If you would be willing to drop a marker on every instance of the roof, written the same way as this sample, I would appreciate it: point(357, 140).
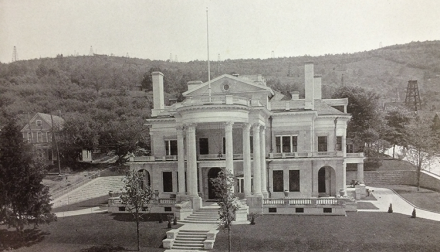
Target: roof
point(324, 109)
point(57, 121)
point(243, 80)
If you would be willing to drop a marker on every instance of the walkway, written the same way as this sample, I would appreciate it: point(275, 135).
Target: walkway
point(385, 197)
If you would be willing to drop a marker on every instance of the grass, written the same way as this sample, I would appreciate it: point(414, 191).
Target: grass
point(356, 232)
point(424, 199)
point(84, 231)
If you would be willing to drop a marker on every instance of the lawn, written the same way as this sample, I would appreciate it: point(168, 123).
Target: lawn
point(75, 233)
point(424, 199)
point(356, 232)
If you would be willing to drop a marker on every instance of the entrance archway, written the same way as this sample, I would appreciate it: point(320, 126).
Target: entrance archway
point(326, 181)
point(146, 181)
point(212, 173)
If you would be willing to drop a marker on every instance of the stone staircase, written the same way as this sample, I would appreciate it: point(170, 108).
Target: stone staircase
point(190, 240)
point(95, 188)
point(205, 215)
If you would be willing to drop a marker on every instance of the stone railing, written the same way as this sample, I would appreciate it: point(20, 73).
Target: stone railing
point(355, 155)
point(303, 201)
point(214, 100)
point(166, 201)
point(153, 158)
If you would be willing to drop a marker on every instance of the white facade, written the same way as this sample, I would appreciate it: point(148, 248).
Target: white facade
point(294, 148)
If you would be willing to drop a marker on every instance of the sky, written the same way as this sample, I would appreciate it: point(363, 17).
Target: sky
point(239, 29)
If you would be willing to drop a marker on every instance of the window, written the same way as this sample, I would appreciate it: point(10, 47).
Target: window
point(251, 141)
point(294, 181)
point(224, 146)
point(171, 147)
point(285, 144)
point(38, 123)
point(338, 143)
point(240, 185)
point(167, 181)
point(350, 148)
point(203, 146)
point(322, 143)
point(278, 181)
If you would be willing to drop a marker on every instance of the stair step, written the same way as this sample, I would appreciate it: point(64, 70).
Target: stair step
point(188, 240)
point(188, 246)
point(191, 235)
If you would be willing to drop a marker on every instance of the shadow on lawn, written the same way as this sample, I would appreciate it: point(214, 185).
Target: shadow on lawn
point(11, 239)
point(144, 217)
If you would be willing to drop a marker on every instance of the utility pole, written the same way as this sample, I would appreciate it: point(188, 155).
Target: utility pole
point(56, 144)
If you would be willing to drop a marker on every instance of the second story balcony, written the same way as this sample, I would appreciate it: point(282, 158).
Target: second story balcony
point(221, 156)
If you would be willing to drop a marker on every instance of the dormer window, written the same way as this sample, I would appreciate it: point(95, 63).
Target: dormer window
point(38, 123)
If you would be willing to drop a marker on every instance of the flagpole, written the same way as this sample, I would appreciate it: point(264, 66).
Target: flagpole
point(209, 66)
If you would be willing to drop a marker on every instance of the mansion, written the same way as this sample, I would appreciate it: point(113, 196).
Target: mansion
point(277, 149)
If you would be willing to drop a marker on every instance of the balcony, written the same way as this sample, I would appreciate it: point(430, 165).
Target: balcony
point(288, 155)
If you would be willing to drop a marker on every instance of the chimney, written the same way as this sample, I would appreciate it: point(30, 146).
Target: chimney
point(309, 85)
point(317, 87)
point(158, 95)
point(194, 84)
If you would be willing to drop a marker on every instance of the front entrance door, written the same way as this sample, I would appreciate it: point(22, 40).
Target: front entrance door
point(213, 173)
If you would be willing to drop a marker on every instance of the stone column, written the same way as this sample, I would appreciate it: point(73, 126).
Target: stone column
point(192, 160)
point(181, 160)
point(247, 160)
point(360, 173)
point(191, 167)
point(229, 147)
point(257, 159)
point(263, 162)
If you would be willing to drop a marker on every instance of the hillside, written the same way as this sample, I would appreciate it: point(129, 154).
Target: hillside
point(102, 87)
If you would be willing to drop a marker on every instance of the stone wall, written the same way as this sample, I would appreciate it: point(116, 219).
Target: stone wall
point(377, 178)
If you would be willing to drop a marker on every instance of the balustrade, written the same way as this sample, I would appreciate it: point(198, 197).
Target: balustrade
point(301, 201)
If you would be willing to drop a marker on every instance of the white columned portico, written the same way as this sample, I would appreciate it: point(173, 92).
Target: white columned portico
point(181, 160)
point(191, 159)
point(191, 154)
point(257, 159)
point(247, 160)
point(229, 147)
point(263, 162)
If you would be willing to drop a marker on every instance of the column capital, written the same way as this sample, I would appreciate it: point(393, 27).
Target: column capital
point(246, 126)
point(256, 126)
point(228, 123)
point(180, 127)
point(263, 128)
point(190, 126)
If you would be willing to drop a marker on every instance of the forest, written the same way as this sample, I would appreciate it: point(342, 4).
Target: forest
point(99, 95)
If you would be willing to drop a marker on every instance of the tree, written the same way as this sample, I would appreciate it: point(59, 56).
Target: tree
point(396, 121)
point(136, 197)
point(362, 105)
point(24, 199)
point(421, 145)
point(228, 202)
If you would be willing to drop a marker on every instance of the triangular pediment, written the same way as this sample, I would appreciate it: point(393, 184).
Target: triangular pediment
point(228, 84)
